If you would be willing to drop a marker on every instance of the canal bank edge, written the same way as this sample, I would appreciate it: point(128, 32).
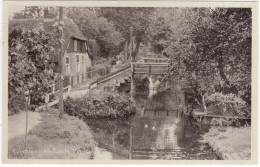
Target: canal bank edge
point(238, 149)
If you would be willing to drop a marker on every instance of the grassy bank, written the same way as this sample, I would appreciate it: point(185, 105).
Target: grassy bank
point(230, 143)
point(54, 138)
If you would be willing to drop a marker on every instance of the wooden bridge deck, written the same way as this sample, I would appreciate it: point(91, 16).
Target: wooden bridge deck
point(151, 66)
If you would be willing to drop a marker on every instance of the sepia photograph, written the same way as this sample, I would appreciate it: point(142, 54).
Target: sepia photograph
point(104, 83)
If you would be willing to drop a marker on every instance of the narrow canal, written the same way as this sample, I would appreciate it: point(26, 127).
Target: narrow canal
point(157, 131)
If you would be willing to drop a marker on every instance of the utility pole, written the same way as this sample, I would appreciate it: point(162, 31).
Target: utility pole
point(126, 52)
point(61, 67)
point(132, 65)
point(131, 44)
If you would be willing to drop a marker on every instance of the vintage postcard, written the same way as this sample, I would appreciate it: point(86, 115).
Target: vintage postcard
point(132, 82)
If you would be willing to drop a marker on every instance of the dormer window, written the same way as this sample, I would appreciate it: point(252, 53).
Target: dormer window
point(75, 45)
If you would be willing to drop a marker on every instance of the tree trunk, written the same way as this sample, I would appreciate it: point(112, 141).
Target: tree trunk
point(204, 104)
point(221, 69)
point(61, 70)
point(135, 52)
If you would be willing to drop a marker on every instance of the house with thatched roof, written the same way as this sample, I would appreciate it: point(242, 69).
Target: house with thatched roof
point(76, 59)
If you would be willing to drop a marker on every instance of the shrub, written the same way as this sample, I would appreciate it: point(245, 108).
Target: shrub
point(16, 103)
point(100, 105)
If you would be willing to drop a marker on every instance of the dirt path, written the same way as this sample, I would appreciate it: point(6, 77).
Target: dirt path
point(17, 123)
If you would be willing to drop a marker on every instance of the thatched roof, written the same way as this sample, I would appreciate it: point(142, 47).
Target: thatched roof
point(71, 30)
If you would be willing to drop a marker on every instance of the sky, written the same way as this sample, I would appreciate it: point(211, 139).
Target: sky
point(15, 9)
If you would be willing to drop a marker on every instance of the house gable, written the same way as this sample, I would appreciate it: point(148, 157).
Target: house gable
point(76, 45)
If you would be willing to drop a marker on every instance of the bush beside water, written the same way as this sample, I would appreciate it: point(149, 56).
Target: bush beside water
point(99, 105)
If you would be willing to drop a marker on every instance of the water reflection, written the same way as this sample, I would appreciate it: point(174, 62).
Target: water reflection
point(153, 86)
point(157, 131)
point(155, 135)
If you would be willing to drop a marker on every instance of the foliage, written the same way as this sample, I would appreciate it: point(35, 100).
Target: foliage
point(36, 12)
point(17, 104)
point(97, 28)
point(28, 61)
point(66, 82)
point(104, 105)
point(123, 18)
point(209, 55)
point(94, 50)
point(210, 49)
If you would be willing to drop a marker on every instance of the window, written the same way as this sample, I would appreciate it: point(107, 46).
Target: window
point(83, 68)
point(77, 58)
point(86, 45)
point(83, 65)
point(75, 45)
point(67, 65)
point(78, 65)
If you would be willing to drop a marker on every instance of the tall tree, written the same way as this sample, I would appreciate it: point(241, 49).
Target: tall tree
point(225, 43)
point(124, 18)
point(97, 28)
point(29, 64)
point(210, 50)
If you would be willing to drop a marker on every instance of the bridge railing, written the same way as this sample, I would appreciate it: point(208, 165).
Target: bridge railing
point(150, 68)
point(84, 77)
point(154, 60)
point(101, 79)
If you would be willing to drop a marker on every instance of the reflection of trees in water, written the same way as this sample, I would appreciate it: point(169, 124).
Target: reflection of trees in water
point(166, 137)
point(145, 132)
point(171, 133)
point(162, 100)
point(111, 134)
